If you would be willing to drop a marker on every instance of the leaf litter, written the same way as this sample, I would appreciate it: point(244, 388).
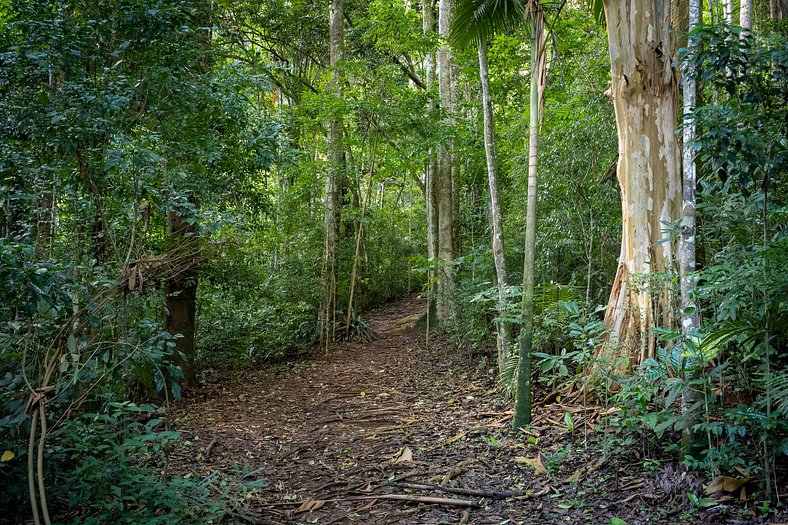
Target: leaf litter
point(393, 432)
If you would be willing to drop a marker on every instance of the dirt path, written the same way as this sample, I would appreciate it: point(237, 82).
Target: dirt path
point(344, 426)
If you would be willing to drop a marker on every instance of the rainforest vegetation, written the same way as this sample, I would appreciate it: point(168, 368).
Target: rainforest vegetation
point(382, 261)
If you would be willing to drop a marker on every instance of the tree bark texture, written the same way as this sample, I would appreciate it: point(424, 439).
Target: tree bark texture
point(491, 151)
point(727, 11)
point(444, 186)
point(644, 89)
point(745, 14)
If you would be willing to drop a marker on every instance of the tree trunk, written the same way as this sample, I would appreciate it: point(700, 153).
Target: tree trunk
point(491, 151)
point(690, 322)
point(444, 176)
point(745, 14)
point(430, 171)
point(644, 97)
point(778, 9)
point(181, 302)
point(522, 403)
point(727, 11)
point(331, 217)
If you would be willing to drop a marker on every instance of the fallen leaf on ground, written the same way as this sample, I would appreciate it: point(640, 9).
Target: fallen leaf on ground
point(310, 505)
point(723, 486)
point(537, 463)
point(405, 455)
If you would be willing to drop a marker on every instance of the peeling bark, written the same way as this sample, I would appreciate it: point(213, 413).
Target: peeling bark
point(644, 89)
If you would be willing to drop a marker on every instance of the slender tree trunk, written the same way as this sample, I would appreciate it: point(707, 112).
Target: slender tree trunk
point(181, 301)
point(778, 9)
point(522, 404)
point(745, 14)
point(644, 97)
point(690, 322)
point(430, 172)
point(444, 176)
point(331, 217)
point(727, 11)
point(491, 151)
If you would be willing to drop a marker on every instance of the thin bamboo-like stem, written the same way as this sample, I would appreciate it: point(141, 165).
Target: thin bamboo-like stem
point(31, 471)
point(359, 235)
point(42, 493)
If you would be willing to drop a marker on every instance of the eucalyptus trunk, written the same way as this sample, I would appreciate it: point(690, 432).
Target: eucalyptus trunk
point(641, 42)
point(444, 186)
point(491, 151)
point(331, 217)
point(522, 404)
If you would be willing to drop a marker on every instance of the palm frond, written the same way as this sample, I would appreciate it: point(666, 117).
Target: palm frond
point(598, 10)
point(477, 21)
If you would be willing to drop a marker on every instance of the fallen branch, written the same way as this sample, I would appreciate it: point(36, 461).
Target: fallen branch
point(426, 499)
point(394, 497)
point(492, 494)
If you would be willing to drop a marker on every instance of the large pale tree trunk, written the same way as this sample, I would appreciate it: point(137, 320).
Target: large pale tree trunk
point(644, 97)
point(491, 151)
point(331, 217)
point(446, 192)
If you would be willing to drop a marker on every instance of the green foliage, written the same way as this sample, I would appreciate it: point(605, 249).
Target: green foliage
point(111, 468)
point(479, 20)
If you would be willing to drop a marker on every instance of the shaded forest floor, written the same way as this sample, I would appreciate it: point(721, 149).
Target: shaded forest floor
point(337, 436)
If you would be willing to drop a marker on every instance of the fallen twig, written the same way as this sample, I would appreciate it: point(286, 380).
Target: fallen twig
point(395, 497)
point(209, 448)
point(426, 499)
point(492, 494)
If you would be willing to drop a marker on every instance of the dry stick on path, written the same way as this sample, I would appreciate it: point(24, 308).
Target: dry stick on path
point(492, 494)
point(394, 497)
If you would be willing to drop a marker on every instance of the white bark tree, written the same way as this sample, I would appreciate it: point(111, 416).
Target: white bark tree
point(745, 14)
point(491, 152)
point(641, 46)
point(690, 321)
point(727, 11)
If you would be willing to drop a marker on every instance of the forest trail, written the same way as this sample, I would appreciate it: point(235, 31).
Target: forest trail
point(332, 433)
